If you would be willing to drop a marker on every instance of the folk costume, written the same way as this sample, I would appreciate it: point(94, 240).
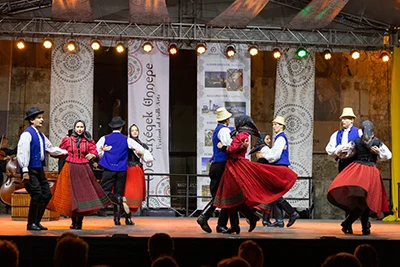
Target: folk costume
point(359, 188)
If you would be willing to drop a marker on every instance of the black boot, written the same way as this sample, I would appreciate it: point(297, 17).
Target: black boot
point(41, 210)
point(117, 214)
point(202, 220)
point(278, 217)
point(249, 214)
point(365, 223)
point(234, 220)
point(266, 221)
point(350, 219)
point(128, 219)
point(73, 225)
point(32, 215)
point(293, 215)
point(222, 221)
point(79, 222)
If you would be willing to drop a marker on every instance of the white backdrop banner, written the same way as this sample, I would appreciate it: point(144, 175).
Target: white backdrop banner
point(148, 108)
point(221, 82)
point(71, 91)
point(294, 100)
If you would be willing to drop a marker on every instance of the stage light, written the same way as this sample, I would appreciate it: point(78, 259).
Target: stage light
point(120, 47)
point(276, 53)
point(385, 56)
point(355, 54)
point(327, 54)
point(47, 43)
point(201, 48)
point(71, 46)
point(173, 49)
point(20, 44)
point(147, 47)
point(230, 51)
point(95, 45)
point(253, 50)
point(301, 52)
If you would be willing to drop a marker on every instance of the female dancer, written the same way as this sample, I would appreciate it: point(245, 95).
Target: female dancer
point(77, 192)
point(359, 189)
point(135, 185)
point(248, 184)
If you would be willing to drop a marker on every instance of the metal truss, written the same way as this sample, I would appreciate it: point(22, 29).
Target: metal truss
point(188, 33)
point(19, 6)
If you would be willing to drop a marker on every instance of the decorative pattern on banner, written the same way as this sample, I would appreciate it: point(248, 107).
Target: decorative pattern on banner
point(316, 15)
point(71, 95)
point(148, 108)
point(221, 82)
point(239, 13)
point(294, 100)
point(148, 12)
point(76, 10)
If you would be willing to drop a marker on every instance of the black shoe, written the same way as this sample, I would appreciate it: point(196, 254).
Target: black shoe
point(292, 219)
point(128, 221)
point(221, 229)
point(279, 224)
point(266, 223)
point(347, 229)
point(253, 223)
point(203, 222)
point(232, 229)
point(42, 227)
point(72, 226)
point(33, 227)
point(367, 230)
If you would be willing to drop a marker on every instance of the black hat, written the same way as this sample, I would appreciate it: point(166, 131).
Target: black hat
point(33, 111)
point(116, 122)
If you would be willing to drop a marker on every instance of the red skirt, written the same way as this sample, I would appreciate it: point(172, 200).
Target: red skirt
point(252, 183)
point(135, 187)
point(77, 192)
point(358, 186)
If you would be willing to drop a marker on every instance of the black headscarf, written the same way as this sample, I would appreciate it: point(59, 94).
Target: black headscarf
point(85, 134)
point(368, 133)
point(260, 143)
point(137, 137)
point(246, 124)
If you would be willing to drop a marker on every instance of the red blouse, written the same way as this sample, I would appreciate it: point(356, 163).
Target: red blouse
point(237, 150)
point(74, 155)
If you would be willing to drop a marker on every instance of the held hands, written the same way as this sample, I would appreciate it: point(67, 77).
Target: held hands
point(90, 156)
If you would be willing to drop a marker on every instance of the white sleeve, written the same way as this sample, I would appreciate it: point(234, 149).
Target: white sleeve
point(331, 147)
point(147, 157)
point(24, 150)
point(274, 154)
point(99, 146)
point(224, 135)
point(384, 152)
point(53, 150)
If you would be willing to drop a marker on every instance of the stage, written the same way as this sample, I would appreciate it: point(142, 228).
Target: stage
point(307, 242)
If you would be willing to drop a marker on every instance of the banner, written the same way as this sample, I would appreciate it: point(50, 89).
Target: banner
point(221, 82)
point(294, 100)
point(148, 108)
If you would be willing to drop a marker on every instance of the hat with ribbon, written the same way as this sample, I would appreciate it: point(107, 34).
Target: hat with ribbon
point(223, 114)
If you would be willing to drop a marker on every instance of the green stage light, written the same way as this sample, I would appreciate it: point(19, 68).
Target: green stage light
point(301, 52)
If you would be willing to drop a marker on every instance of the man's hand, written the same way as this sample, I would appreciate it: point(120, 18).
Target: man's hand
point(107, 148)
point(219, 145)
point(25, 177)
point(139, 153)
point(90, 156)
point(375, 150)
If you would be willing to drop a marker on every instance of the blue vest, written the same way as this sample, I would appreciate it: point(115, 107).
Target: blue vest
point(117, 158)
point(218, 154)
point(284, 159)
point(34, 159)
point(353, 135)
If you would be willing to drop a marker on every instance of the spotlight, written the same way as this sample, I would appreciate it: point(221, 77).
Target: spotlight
point(253, 50)
point(71, 46)
point(385, 56)
point(201, 48)
point(95, 45)
point(355, 54)
point(327, 54)
point(276, 53)
point(301, 52)
point(120, 47)
point(21, 44)
point(173, 49)
point(147, 47)
point(230, 51)
point(47, 43)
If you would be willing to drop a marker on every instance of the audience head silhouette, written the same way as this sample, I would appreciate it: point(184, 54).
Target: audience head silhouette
point(367, 255)
point(342, 259)
point(233, 262)
point(164, 261)
point(160, 244)
point(71, 250)
point(252, 253)
point(9, 253)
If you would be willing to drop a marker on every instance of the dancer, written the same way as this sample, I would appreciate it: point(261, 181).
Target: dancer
point(76, 192)
point(359, 188)
point(113, 153)
point(135, 185)
point(247, 184)
point(279, 155)
point(32, 146)
point(221, 134)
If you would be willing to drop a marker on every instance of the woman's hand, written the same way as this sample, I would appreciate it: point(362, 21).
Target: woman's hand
point(219, 145)
point(375, 150)
point(90, 156)
point(259, 155)
point(106, 148)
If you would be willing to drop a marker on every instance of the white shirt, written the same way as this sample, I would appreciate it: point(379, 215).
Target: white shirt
point(334, 150)
point(24, 149)
point(274, 154)
point(384, 152)
point(224, 136)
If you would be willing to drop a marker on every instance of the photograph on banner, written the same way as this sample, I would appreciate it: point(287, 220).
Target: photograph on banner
point(215, 79)
point(234, 80)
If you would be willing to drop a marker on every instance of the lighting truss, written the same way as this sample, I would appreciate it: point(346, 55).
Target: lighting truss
point(18, 6)
point(188, 32)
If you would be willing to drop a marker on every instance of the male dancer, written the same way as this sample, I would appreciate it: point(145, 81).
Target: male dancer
point(279, 155)
point(31, 150)
point(221, 134)
point(113, 152)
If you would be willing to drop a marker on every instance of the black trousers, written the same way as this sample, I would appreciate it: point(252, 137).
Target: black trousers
point(216, 172)
point(113, 180)
point(38, 186)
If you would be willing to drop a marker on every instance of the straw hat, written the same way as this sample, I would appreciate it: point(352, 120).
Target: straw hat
point(222, 114)
point(280, 120)
point(347, 112)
